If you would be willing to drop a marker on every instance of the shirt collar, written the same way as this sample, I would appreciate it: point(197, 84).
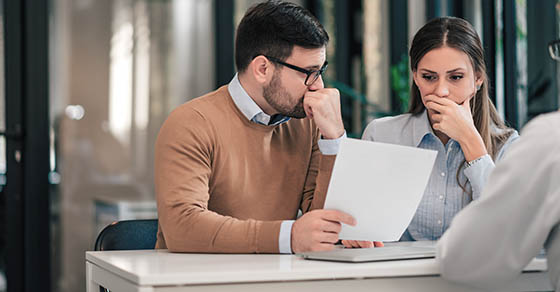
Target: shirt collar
point(421, 127)
point(248, 106)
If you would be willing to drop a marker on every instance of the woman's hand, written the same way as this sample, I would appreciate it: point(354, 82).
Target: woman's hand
point(456, 121)
point(361, 244)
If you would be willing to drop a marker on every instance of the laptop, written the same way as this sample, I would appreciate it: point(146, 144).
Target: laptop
point(387, 253)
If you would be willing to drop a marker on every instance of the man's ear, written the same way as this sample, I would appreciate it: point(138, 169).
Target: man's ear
point(262, 69)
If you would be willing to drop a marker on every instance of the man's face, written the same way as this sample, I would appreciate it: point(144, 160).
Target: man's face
point(286, 90)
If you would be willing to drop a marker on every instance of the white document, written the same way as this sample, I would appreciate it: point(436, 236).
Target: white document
point(380, 185)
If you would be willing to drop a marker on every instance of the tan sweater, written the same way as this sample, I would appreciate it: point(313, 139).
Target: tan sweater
point(224, 184)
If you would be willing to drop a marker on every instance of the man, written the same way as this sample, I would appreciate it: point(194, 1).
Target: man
point(490, 242)
point(233, 167)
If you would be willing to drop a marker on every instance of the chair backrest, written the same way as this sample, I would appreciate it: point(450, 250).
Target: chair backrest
point(128, 235)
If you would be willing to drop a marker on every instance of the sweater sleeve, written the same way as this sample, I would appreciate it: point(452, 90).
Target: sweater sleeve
point(183, 163)
point(318, 177)
point(494, 238)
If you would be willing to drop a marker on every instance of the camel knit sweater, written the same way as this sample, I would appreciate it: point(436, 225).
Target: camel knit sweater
point(225, 184)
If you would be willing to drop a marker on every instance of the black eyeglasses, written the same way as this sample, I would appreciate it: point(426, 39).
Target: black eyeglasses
point(312, 75)
point(554, 49)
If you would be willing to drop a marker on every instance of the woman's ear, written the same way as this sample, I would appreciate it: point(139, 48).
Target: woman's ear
point(261, 69)
point(414, 77)
point(479, 81)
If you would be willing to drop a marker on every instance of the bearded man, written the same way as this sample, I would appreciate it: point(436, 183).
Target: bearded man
point(233, 167)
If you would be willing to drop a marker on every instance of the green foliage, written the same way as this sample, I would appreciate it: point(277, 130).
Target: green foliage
point(399, 82)
point(346, 90)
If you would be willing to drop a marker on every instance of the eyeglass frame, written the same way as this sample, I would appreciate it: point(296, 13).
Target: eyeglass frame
point(317, 73)
point(551, 50)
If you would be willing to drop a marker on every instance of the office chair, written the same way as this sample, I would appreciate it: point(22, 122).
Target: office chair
point(127, 235)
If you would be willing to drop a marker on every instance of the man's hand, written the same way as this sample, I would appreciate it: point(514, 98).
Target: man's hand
point(361, 243)
point(318, 230)
point(323, 106)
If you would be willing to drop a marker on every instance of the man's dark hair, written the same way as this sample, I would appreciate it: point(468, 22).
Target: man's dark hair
point(272, 28)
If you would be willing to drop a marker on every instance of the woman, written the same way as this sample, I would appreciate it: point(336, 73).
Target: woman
point(450, 112)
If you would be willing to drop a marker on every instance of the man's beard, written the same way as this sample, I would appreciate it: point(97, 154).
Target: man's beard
point(275, 93)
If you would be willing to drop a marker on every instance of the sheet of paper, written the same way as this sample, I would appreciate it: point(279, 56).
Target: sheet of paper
point(380, 185)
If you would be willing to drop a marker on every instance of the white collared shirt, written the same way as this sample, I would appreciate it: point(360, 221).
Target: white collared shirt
point(443, 197)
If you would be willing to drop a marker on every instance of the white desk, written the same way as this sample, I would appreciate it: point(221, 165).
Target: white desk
point(159, 270)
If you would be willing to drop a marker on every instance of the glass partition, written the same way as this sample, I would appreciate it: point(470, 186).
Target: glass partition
point(117, 68)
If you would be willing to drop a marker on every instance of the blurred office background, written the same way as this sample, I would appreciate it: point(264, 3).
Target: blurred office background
point(86, 84)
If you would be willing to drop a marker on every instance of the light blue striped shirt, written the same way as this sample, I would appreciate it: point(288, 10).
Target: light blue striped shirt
point(443, 196)
point(254, 113)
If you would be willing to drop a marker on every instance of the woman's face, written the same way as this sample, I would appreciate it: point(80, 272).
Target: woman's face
point(446, 73)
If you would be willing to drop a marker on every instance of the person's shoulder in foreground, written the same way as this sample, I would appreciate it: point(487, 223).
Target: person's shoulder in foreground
point(493, 239)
